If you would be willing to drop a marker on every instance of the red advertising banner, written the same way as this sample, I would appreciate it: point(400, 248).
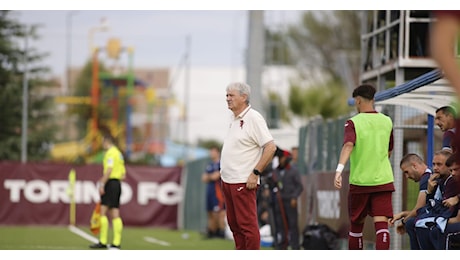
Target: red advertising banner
point(40, 194)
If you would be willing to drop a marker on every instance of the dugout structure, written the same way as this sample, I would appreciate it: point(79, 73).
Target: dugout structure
point(395, 59)
point(412, 107)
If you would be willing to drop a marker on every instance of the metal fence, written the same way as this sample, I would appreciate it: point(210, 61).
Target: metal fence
point(192, 212)
point(320, 143)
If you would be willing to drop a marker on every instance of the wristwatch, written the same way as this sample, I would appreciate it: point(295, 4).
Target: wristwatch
point(256, 172)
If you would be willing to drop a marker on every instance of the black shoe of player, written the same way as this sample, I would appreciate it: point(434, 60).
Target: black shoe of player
point(114, 247)
point(98, 245)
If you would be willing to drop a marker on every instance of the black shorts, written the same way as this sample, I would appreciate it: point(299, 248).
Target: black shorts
point(111, 197)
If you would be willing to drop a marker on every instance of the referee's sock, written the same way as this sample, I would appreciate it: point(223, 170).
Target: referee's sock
point(117, 224)
point(104, 230)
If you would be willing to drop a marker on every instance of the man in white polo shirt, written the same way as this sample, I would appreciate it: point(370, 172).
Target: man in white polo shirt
point(248, 149)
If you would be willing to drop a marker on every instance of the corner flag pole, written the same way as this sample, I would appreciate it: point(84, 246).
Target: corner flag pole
point(71, 193)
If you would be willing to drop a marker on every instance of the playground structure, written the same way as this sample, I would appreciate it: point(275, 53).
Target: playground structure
point(89, 148)
point(75, 151)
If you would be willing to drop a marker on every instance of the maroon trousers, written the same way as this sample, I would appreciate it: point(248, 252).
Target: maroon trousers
point(241, 206)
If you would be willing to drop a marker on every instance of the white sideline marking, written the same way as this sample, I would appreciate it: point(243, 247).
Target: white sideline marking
point(156, 241)
point(83, 234)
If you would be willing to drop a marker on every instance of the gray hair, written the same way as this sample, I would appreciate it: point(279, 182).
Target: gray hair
point(242, 88)
point(444, 152)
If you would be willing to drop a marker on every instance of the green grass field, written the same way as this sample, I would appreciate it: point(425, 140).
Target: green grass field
point(79, 238)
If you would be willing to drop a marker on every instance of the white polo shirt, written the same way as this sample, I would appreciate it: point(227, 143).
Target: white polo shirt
point(242, 148)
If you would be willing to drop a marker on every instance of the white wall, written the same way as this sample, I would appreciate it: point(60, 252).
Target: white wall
point(207, 110)
point(208, 115)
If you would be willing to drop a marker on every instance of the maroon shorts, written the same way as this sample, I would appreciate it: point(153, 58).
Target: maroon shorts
point(361, 205)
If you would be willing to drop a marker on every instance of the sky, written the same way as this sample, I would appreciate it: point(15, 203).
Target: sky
point(158, 34)
point(218, 40)
point(158, 38)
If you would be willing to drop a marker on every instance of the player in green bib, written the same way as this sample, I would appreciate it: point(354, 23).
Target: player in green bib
point(368, 142)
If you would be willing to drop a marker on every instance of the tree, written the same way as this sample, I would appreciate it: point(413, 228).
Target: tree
point(208, 143)
point(14, 56)
point(325, 48)
point(323, 100)
point(278, 111)
point(329, 40)
point(276, 48)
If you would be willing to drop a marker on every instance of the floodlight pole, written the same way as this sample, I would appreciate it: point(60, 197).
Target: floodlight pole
point(187, 98)
point(25, 101)
point(69, 51)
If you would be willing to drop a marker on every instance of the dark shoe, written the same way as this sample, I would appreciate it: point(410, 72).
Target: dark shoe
point(208, 235)
point(220, 234)
point(114, 247)
point(211, 234)
point(98, 245)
